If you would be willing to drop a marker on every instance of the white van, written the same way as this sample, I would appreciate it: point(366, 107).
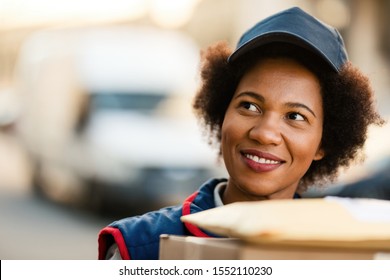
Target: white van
point(107, 119)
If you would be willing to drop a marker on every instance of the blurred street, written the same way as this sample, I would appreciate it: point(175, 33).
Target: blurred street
point(34, 228)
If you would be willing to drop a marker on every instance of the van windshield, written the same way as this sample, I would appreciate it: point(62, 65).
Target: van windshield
point(127, 101)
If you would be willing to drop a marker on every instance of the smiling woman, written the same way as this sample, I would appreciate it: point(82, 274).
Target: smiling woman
point(344, 110)
point(286, 109)
point(271, 131)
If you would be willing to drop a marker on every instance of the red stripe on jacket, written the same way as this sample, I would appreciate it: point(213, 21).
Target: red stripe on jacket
point(186, 210)
point(118, 238)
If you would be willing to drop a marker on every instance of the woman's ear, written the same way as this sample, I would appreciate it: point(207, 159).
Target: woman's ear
point(319, 154)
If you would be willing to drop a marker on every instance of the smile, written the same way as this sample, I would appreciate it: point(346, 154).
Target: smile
point(261, 160)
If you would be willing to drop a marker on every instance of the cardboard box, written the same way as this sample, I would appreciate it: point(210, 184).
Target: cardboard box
point(352, 224)
point(296, 229)
point(173, 247)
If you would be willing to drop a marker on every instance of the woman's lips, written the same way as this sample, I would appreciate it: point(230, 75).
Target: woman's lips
point(260, 161)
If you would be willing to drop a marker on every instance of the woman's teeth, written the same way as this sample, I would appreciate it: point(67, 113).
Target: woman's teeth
point(261, 160)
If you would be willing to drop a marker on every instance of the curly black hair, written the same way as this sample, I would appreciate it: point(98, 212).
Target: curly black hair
point(348, 103)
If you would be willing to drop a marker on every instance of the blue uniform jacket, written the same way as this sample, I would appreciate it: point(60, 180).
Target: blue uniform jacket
point(138, 237)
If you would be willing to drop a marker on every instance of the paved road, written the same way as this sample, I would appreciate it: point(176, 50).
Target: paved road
point(31, 228)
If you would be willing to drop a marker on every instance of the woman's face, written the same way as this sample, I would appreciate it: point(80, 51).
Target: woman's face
point(272, 131)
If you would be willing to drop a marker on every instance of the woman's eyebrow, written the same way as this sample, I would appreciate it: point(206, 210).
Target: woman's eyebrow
point(254, 95)
point(300, 105)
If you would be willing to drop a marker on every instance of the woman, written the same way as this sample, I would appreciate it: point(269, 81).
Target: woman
point(286, 109)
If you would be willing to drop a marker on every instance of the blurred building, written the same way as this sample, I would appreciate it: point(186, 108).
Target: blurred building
point(363, 23)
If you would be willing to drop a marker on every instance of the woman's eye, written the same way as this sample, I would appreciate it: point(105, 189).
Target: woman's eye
point(249, 106)
point(296, 117)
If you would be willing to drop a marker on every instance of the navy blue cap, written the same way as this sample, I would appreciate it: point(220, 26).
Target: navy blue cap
point(299, 28)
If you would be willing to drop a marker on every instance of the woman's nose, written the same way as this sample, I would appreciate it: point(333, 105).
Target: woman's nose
point(266, 130)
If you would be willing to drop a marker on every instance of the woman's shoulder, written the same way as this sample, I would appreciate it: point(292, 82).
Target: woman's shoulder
point(137, 237)
point(142, 232)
